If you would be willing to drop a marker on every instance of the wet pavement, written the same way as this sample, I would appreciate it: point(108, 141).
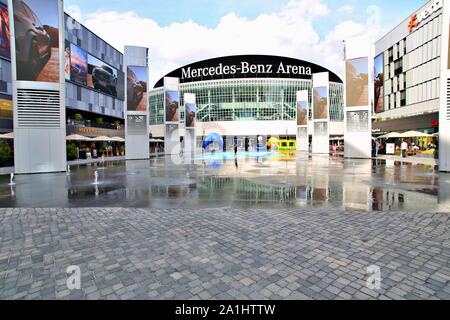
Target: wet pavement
point(251, 180)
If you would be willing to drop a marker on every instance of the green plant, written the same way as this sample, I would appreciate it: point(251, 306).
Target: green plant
point(116, 123)
point(71, 151)
point(99, 120)
point(6, 155)
point(78, 117)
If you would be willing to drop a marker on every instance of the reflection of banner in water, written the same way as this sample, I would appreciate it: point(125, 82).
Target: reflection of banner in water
point(264, 192)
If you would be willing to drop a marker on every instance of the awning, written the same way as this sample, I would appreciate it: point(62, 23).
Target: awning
point(156, 140)
point(337, 139)
point(77, 137)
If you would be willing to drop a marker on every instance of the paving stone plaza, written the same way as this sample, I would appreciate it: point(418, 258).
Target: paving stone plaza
point(223, 254)
point(295, 229)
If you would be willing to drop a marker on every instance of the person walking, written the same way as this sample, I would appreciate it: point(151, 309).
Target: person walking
point(404, 148)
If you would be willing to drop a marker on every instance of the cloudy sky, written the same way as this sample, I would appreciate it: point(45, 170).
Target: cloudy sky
point(179, 32)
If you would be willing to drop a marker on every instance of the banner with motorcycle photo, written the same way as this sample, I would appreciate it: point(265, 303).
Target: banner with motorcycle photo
point(137, 80)
point(36, 27)
point(86, 70)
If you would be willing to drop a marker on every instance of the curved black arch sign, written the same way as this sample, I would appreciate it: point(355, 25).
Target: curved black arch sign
point(247, 66)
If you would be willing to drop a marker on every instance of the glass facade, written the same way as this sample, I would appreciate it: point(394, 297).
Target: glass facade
point(246, 99)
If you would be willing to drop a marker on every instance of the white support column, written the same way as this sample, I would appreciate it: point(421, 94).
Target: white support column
point(302, 121)
point(39, 93)
point(444, 118)
point(137, 104)
point(172, 116)
point(321, 113)
point(358, 94)
point(190, 114)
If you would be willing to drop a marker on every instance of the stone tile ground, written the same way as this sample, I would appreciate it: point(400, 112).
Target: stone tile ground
point(223, 254)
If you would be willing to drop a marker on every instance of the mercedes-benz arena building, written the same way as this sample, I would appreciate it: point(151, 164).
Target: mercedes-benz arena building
point(247, 96)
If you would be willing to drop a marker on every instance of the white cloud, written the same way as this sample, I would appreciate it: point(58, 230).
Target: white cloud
point(346, 9)
point(289, 32)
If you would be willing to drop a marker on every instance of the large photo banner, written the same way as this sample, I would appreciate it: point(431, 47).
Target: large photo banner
point(86, 70)
point(36, 26)
point(137, 82)
point(5, 35)
point(302, 108)
point(379, 83)
point(357, 82)
point(190, 107)
point(320, 105)
point(171, 101)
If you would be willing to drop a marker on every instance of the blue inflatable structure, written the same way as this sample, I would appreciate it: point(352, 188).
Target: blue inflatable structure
point(211, 138)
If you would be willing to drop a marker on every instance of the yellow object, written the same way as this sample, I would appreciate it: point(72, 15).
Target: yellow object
point(282, 144)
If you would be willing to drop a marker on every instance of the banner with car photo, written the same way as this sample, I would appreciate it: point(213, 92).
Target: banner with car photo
point(36, 26)
point(86, 70)
point(357, 82)
point(137, 79)
point(5, 36)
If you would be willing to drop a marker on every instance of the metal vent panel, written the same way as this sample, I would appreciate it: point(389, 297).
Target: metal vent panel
point(38, 109)
point(448, 99)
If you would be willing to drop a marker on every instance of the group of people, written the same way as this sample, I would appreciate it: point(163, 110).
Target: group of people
point(403, 147)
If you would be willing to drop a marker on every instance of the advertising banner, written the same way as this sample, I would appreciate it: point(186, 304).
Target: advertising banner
point(5, 36)
point(359, 101)
point(6, 108)
point(137, 80)
point(320, 106)
point(171, 100)
point(190, 108)
point(357, 82)
point(379, 83)
point(302, 113)
point(37, 40)
point(86, 70)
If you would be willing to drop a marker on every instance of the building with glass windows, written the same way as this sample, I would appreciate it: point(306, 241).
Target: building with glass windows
point(247, 96)
point(408, 72)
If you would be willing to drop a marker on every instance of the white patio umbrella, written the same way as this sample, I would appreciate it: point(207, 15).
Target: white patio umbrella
point(101, 139)
point(391, 135)
point(77, 137)
point(117, 139)
point(8, 136)
point(416, 134)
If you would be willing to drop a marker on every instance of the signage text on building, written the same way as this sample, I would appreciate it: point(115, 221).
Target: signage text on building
point(244, 68)
point(416, 19)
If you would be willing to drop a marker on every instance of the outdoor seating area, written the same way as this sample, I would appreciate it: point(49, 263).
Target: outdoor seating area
point(82, 147)
point(419, 144)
